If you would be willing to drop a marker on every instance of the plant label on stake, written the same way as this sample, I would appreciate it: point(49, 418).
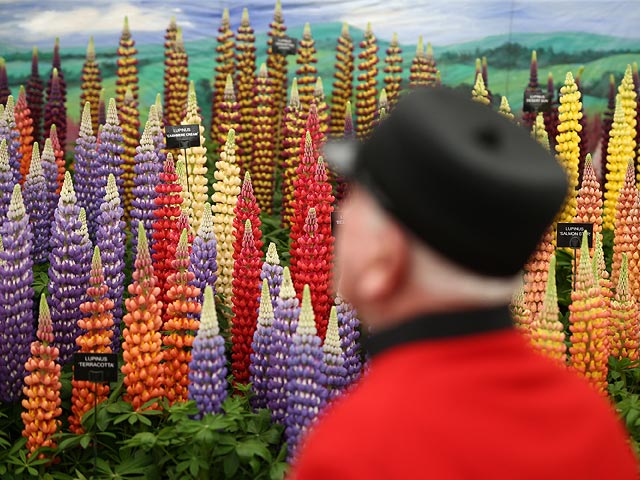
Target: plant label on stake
point(535, 100)
point(570, 234)
point(284, 45)
point(95, 367)
point(183, 136)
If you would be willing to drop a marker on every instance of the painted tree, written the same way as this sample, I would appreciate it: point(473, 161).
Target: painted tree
point(367, 88)
point(393, 72)
point(307, 71)
point(24, 125)
point(91, 83)
point(343, 80)
point(176, 81)
point(16, 298)
point(277, 71)
point(35, 97)
point(225, 67)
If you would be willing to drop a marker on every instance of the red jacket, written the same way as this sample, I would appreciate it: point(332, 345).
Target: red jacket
point(466, 404)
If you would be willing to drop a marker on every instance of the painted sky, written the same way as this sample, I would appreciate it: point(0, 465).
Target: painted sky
point(443, 22)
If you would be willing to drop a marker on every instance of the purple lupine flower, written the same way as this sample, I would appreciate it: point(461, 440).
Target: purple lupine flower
point(146, 169)
point(110, 149)
point(284, 324)
point(6, 179)
point(87, 183)
point(50, 172)
point(333, 365)
point(16, 298)
point(111, 239)
point(272, 272)
point(10, 133)
point(349, 332)
point(35, 197)
point(208, 365)
point(157, 134)
point(305, 377)
point(204, 253)
point(262, 348)
point(69, 268)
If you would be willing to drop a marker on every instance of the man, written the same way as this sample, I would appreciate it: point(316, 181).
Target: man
point(448, 202)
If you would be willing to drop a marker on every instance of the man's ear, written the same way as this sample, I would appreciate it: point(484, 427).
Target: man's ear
point(387, 267)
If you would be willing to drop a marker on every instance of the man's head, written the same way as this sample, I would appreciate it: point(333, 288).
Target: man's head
point(449, 201)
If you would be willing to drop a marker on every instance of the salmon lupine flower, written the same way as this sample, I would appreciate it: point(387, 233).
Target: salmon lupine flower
point(624, 239)
point(285, 323)
point(277, 72)
point(624, 329)
point(16, 297)
point(196, 162)
point(547, 331)
point(333, 364)
point(24, 124)
point(181, 325)
point(272, 273)
point(246, 278)
point(91, 83)
point(176, 80)
point(9, 132)
point(42, 387)
point(519, 312)
point(603, 279)
point(305, 377)
point(204, 254)
point(245, 81)
point(225, 70)
point(307, 70)
point(367, 87)
point(224, 200)
point(38, 207)
point(208, 366)
point(142, 346)
point(35, 97)
point(568, 142)
point(58, 153)
point(536, 272)
point(262, 349)
point(343, 83)
point(588, 324)
point(349, 331)
point(97, 328)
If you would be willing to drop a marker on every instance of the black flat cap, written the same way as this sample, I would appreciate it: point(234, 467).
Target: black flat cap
point(470, 183)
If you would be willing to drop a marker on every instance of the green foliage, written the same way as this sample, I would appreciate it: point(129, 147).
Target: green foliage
point(624, 389)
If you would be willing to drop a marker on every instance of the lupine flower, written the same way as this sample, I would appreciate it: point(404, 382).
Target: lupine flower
point(16, 298)
point(180, 327)
point(185, 192)
point(628, 101)
point(130, 122)
point(245, 81)
point(505, 109)
point(521, 315)
point(479, 93)
point(196, 161)
point(91, 83)
point(262, 349)
point(303, 181)
point(38, 209)
point(536, 272)
point(6, 179)
point(225, 69)
point(277, 71)
point(165, 227)
point(349, 331)
point(622, 240)
point(584, 132)
point(343, 83)
point(307, 70)
point(110, 150)
point(157, 134)
point(97, 328)
point(589, 200)
point(50, 172)
point(551, 117)
point(588, 324)
point(42, 387)
point(293, 131)
point(367, 87)
point(246, 277)
point(55, 112)
point(568, 142)
point(528, 118)
point(607, 124)
point(264, 130)
point(111, 239)
point(127, 66)
point(24, 124)
point(4, 82)
point(624, 329)
point(285, 323)
point(176, 81)
point(204, 253)
point(342, 186)
point(333, 364)
point(322, 108)
point(272, 273)
point(69, 266)
point(58, 152)
point(86, 163)
point(208, 366)
point(393, 71)
point(228, 116)
point(146, 178)
point(142, 346)
point(224, 200)
point(246, 208)
point(420, 75)
point(539, 132)
point(56, 64)
point(35, 97)
point(547, 331)
point(170, 36)
point(305, 378)
point(9, 132)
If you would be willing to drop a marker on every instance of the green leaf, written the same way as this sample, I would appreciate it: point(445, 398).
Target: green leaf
point(85, 440)
point(278, 471)
point(252, 447)
point(230, 465)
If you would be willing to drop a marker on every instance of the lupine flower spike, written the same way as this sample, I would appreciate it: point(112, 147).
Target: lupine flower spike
point(176, 81)
point(6, 179)
point(262, 348)
point(624, 328)
point(307, 70)
point(204, 253)
point(225, 69)
point(367, 88)
point(272, 272)
point(24, 125)
point(519, 312)
point(208, 366)
point(349, 331)
point(38, 208)
point(343, 83)
point(91, 83)
point(333, 365)
point(277, 72)
point(393, 71)
point(86, 163)
point(35, 97)
point(625, 238)
point(245, 81)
